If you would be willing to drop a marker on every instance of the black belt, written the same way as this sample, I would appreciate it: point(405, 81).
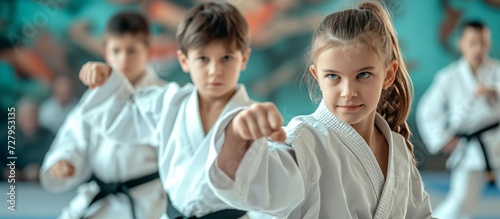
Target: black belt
point(173, 213)
point(477, 135)
point(121, 187)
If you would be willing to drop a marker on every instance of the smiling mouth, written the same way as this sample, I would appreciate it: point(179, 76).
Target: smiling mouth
point(350, 107)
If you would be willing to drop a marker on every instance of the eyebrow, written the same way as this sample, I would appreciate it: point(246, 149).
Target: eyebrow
point(336, 72)
point(204, 53)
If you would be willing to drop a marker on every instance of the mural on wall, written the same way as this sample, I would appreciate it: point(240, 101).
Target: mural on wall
point(494, 3)
point(448, 25)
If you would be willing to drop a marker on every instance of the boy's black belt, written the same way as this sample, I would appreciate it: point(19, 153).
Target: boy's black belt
point(477, 135)
point(121, 187)
point(173, 213)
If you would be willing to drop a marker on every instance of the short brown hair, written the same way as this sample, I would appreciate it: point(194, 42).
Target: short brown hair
point(211, 21)
point(129, 22)
point(474, 24)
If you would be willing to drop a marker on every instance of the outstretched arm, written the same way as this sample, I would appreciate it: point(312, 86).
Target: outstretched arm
point(115, 109)
point(248, 172)
point(259, 121)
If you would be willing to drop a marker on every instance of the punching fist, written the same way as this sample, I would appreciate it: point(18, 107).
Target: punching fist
point(94, 74)
point(259, 121)
point(62, 169)
point(482, 90)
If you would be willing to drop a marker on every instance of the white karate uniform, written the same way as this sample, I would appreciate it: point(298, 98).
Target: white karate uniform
point(324, 170)
point(91, 151)
point(450, 106)
point(168, 117)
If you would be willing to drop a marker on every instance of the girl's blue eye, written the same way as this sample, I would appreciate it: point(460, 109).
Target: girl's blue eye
point(333, 76)
point(364, 75)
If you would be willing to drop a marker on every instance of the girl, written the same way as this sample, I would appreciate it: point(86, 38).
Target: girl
point(352, 158)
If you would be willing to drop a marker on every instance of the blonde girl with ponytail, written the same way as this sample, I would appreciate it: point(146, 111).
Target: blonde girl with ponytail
point(352, 157)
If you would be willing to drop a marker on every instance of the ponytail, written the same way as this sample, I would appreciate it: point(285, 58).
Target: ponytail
point(395, 103)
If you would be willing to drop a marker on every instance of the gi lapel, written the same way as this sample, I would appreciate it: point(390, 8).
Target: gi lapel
point(239, 99)
point(465, 72)
point(148, 79)
point(355, 143)
point(385, 200)
point(193, 127)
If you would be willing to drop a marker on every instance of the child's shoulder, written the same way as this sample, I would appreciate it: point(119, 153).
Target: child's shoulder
point(161, 98)
point(449, 69)
point(150, 78)
point(398, 139)
point(167, 88)
point(448, 73)
point(400, 148)
point(495, 63)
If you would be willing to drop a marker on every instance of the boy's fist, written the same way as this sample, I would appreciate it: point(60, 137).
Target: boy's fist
point(94, 74)
point(258, 121)
point(62, 169)
point(482, 90)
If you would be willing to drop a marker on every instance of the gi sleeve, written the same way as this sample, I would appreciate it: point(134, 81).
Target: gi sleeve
point(70, 144)
point(268, 179)
point(116, 110)
point(432, 115)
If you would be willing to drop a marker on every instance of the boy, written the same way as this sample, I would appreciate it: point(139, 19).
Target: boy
point(214, 48)
point(115, 179)
point(460, 113)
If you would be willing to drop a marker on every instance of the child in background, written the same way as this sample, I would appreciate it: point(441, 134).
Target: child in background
point(214, 48)
point(352, 158)
point(115, 179)
point(460, 114)
point(54, 110)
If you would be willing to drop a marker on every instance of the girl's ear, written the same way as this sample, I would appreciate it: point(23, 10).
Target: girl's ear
point(313, 71)
point(182, 61)
point(392, 69)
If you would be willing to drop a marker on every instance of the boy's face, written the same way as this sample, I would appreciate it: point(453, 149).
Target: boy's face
point(214, 68)
point(475, 44)
point(127, 53)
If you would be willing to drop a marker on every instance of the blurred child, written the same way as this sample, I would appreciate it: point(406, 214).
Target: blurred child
point(115, 179)
point(53, 111)
point(460, 114)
